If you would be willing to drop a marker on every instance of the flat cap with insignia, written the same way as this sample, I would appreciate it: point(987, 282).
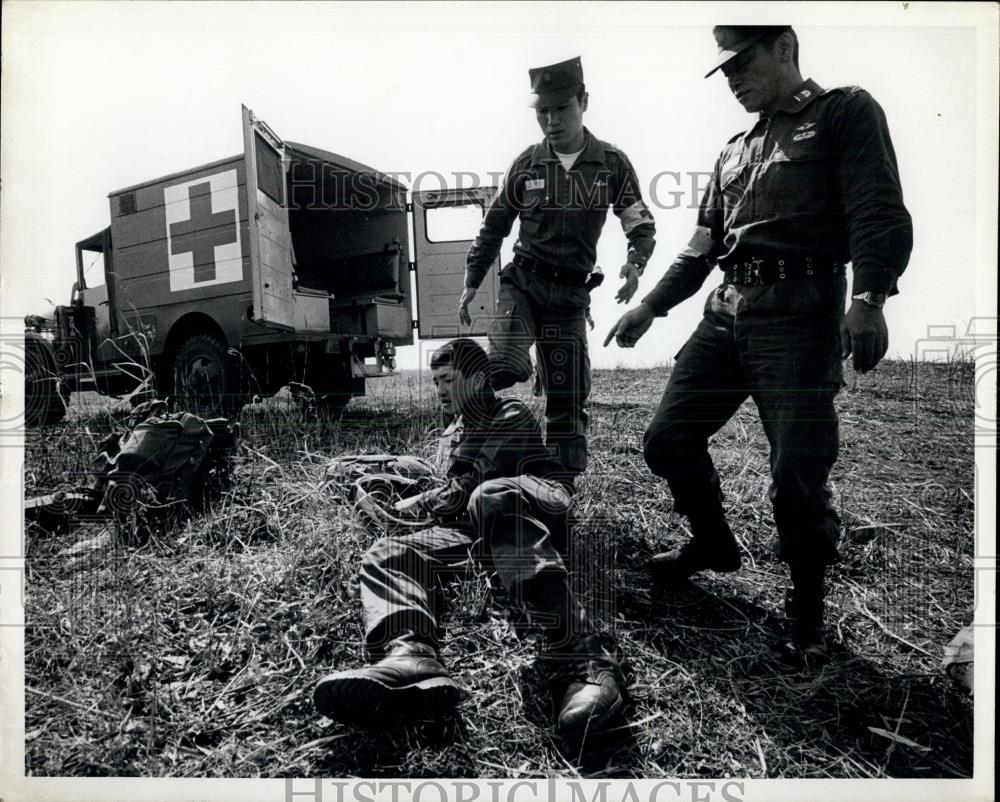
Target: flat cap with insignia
point(555, 83)
point(734, 39)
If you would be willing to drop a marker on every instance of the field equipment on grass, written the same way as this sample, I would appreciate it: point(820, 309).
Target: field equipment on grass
point(382, 487)
point(162, 462)
point(294, 400)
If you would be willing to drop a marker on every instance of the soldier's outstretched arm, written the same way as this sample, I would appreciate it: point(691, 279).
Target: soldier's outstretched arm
point(497, 223)
point(631, 326)
point(637, 224)
point(463, 305)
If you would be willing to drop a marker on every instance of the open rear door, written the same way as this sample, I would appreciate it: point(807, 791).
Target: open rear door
point(267, 215)
point(445, 222)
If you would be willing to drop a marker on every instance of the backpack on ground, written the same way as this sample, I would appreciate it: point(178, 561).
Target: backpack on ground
point(162, 463)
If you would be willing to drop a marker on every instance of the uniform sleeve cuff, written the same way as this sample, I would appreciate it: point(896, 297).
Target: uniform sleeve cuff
point(873, 279)
point(656, 305)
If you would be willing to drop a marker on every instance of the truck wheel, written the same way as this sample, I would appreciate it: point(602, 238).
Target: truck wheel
point(206, 378)
point(45, 393)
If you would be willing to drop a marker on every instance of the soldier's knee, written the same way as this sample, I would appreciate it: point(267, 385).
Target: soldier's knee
point(381, 553)
point(506, 373)
point(662, 448)
point(502, 379)
point(491, 497)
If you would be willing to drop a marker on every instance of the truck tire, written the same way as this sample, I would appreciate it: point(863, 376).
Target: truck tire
point(206, 378)
point(45, 392)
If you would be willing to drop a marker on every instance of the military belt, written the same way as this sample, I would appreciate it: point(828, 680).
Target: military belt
point(752, 271)
point(555, 275)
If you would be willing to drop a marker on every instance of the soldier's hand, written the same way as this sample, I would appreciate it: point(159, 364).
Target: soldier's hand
point(411, 505)
point(631, 326)
point(463, 305)
point(864, 334)
point(630, 273)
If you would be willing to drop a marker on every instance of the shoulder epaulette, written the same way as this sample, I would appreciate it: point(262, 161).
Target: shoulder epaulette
point(842, 90)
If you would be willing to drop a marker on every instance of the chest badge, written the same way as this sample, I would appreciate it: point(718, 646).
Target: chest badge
point(534, 183)
point(805, 131)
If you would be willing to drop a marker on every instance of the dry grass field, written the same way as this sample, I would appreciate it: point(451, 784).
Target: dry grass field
point(192, 652)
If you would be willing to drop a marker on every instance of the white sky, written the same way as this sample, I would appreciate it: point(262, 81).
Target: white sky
point(97, 96)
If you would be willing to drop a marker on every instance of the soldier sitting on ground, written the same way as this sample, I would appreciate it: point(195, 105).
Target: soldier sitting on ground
point(501, 504)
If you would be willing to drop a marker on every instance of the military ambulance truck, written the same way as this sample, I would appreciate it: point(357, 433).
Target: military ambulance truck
point(282, 263)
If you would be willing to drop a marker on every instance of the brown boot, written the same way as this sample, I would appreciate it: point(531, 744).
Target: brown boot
point(806, 646)
point(588, 678)
point(409, 683)
point(712, 547)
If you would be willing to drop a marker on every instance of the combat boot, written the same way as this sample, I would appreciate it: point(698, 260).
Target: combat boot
point(409, 683)
point(712, 547)
point(587, 677)
point(806, 644)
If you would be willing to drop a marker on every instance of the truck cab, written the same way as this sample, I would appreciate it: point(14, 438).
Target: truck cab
point(282, 263)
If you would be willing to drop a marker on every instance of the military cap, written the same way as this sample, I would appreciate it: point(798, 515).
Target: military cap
point(555, 83)
point(734, 39)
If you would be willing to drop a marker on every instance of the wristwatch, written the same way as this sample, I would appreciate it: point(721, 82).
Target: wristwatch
point(633, 258)
point(876, 299)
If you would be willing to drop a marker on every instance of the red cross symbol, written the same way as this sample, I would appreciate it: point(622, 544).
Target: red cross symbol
point(203, 231)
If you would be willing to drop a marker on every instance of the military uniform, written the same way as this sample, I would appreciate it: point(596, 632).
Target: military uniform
point(500, 474)
point(543, 299)
point(808, 188)
point(499, 506)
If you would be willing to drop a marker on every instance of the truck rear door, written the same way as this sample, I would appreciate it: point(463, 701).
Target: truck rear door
point(267, 214)
point(445, 222)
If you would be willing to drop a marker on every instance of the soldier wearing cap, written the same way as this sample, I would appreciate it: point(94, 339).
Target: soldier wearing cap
point(812, 185)
point(560, 189)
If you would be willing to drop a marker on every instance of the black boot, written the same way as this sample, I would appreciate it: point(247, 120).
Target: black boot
point(409, 683)
point(806, 644)
point(587, 679)
point(711, 547)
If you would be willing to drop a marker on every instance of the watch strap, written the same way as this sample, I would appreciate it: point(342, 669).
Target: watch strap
point(871, 298)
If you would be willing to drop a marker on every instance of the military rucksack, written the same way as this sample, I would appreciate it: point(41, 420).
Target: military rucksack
point(166, 460)
point(162, 463)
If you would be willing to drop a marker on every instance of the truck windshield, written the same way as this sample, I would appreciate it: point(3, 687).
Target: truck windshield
point(93, 269)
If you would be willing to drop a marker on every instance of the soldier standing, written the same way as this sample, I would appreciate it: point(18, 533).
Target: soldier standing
point(560, 189)
point(812, 185)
